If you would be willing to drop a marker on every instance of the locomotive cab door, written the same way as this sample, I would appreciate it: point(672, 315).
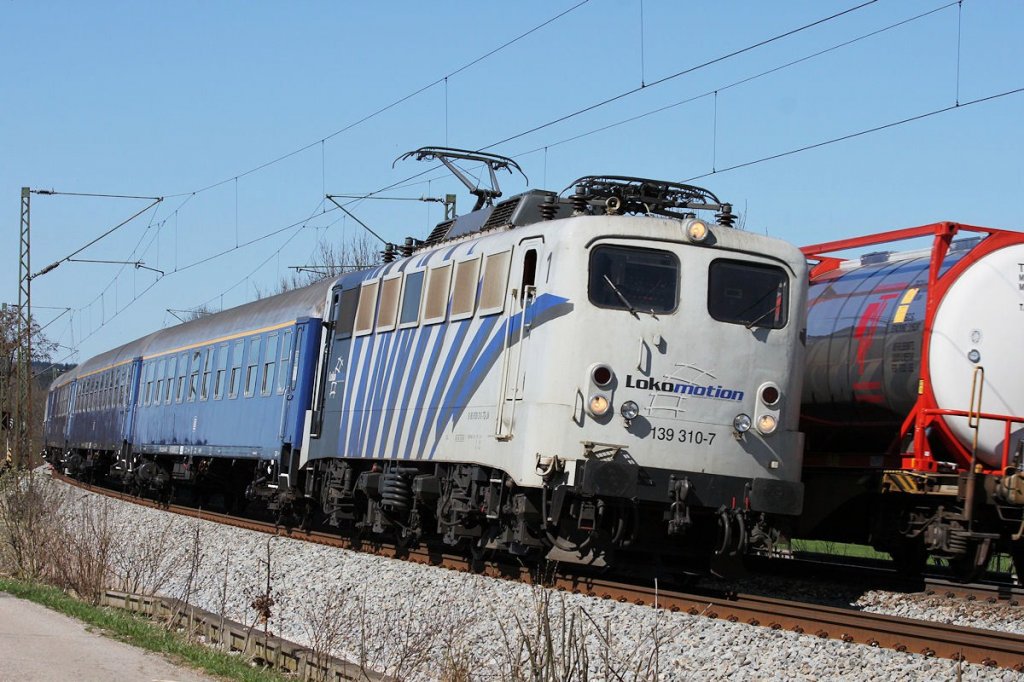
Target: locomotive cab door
point(334, 371)
point(524, 278)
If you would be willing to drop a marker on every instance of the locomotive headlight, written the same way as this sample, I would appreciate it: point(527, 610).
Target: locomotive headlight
point(766, 423)
point(629, 410)
point(599, 405)
point(741, 423)
point(697, 231)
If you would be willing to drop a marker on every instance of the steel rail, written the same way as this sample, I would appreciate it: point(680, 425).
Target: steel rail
point(928, 638)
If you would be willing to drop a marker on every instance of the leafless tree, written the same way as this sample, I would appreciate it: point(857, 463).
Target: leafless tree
point(331, 259)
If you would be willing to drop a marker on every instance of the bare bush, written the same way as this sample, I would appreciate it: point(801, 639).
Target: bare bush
point(31, 525)
point(558, 641)
point(83, 564)
point(325, 621)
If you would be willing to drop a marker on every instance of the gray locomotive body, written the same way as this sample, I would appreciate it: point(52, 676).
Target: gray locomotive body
point(555, 377)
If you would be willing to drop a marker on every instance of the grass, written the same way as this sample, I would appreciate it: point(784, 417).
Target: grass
point(142, 633)
point(999, 563)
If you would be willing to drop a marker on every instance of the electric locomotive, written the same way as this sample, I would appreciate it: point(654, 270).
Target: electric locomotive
point(567, 376)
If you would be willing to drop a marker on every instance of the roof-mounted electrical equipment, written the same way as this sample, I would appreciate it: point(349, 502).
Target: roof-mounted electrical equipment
point(619, 194)
point(494, 162)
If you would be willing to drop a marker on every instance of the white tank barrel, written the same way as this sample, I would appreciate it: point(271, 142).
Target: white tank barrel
point(866, 330)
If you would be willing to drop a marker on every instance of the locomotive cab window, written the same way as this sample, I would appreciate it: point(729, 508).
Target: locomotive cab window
point(633, 279)
point(751, 294)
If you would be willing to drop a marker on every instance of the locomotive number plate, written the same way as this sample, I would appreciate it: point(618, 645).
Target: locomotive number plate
point(691, 436)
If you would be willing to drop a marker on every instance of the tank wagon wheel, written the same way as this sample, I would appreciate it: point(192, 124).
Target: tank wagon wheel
point(971, 564)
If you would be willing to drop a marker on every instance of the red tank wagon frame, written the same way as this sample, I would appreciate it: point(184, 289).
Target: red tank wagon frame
point(911, 477)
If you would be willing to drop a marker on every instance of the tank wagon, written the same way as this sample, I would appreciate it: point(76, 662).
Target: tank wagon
point(913, 399)
point(576, 376)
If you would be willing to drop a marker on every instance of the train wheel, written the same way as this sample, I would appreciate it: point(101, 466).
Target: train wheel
point(968, 566)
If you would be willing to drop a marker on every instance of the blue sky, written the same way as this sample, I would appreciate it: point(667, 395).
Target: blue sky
point(166, 99)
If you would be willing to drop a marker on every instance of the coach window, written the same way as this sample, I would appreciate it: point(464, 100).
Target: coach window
point(367, 306)
point(412, 295)
point(252, 369)
point(193, 376)
point(436, 305)
point(492, 293)
point(387, 312)
point(150, 369)
point(161, 367)
point(286, 349)
point(467, 276)
point(751, 294)
point(236, 368)
point(172, 370)
point(633, 279)
point(269, 357)
point(220, 362)
point(182, 373)
point(207, 371)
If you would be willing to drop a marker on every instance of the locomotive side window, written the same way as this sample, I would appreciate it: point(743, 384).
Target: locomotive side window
point(236, 368)
point(411, 298)
point(750, 294)
point(436, 306)
point(387, 314)
point(634, 279)
point(467, 275)
point(367, 306)
point(492, 293)
point(345, 322)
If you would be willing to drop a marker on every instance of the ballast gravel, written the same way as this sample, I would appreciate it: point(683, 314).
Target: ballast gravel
point(419, 622)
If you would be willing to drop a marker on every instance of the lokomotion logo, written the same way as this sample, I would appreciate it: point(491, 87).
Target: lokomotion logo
point(712, 391)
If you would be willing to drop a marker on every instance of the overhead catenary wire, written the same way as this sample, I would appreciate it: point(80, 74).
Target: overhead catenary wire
point(683, 72)
point(859, 133)
point(387, 107)
point(741, 81)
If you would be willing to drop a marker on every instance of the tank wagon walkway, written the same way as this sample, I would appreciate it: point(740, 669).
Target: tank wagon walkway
point(39, 644)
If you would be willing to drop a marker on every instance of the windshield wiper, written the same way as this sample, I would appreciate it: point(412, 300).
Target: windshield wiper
point(771, 311)
point(622, 297)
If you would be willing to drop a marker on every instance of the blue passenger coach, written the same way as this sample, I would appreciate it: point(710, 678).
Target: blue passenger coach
point(206, 395)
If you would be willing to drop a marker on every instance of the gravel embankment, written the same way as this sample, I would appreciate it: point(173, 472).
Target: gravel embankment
point(421, 623)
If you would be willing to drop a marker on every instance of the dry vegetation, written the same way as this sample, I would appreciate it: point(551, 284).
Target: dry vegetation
point(54, 534)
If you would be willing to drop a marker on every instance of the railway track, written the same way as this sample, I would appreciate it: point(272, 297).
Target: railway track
point(928, 638)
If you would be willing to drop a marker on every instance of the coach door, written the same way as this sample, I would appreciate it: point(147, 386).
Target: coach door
point(524, 277)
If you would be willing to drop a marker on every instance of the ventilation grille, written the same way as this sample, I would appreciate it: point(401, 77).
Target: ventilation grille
point(439, 232)
point(502, 213)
